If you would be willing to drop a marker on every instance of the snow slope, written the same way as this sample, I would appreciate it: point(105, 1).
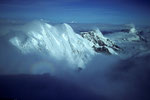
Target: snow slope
point(59, 42)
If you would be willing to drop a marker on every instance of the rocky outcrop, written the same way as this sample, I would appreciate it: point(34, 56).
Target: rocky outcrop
point(100, 43)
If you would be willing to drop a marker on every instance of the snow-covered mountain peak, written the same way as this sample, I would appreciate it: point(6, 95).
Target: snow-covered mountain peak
point(59, 41)
point(100, 43)
point(133, 29)
point(62, 43)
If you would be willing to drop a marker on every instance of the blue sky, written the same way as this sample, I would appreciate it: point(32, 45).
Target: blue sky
point(81, 11)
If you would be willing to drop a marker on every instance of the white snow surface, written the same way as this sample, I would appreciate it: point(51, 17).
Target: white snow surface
point(59, 42)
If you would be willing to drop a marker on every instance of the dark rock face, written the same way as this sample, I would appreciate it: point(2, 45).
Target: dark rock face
point(139, 34)
point(101, 44)
point(142, 39)
point(101, 50)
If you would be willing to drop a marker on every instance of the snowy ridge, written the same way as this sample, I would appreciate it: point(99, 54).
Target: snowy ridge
point(60, 42)
point(100, 43)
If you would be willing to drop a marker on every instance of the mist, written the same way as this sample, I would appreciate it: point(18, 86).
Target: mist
point(104, 77)
point(107, 76)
